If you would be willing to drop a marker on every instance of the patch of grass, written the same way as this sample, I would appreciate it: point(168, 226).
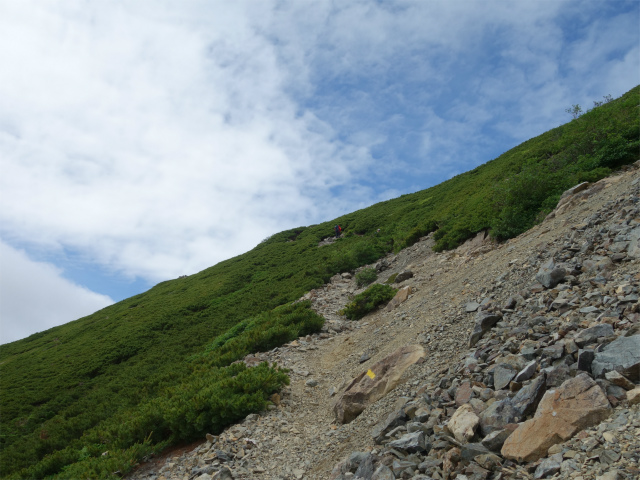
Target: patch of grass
point(366, 277)
point(368, 301)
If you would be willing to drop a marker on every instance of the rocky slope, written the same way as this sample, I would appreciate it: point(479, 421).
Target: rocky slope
point(531, 365)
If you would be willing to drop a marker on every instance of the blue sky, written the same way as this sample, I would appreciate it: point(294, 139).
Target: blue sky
point(140, 141)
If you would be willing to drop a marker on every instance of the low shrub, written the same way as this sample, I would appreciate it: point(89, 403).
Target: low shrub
point(366, 277)
point(367, 301)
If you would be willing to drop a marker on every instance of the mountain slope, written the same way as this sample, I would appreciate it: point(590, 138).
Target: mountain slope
point(84, 377)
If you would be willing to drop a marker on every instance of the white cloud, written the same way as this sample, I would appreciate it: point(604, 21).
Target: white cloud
point(35, 297)
point(158, 138)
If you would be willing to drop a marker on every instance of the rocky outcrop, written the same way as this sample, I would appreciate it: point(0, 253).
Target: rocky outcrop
point(375, 383)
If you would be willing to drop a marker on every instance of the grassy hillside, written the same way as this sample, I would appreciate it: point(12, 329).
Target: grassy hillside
point(158, 368)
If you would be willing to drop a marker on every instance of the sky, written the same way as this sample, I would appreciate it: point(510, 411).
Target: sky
point(144, 140)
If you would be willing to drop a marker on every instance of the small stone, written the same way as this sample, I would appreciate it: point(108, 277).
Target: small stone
point(311, 383)
point(548, 466)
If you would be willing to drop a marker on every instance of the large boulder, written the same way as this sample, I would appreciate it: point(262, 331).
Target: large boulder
point(621, 355)
point(375, 383)
point(577, 404)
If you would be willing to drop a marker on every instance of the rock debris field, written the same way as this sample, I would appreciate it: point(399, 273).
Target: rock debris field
point(518, 360)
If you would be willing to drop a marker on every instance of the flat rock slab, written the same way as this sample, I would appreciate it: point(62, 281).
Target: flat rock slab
point(375, 383)
point(400, 297)
point(577, 404)
point(621, 355)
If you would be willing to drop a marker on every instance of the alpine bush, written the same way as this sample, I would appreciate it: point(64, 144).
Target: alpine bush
point(368, 300)
point(366, 277)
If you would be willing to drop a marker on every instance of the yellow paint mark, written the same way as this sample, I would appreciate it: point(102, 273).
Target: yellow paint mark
point(371, 374)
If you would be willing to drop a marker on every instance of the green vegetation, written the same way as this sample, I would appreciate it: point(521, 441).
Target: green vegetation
point(366, 277)
point(368, 300)
point(158, 368)
point(391, 279)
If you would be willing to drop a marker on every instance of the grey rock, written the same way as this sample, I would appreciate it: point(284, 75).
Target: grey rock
point(484, 322)
point(472, 450)
point(497, 415)
point(585, 359)
point(394, 419)
point(548, 466)
point(502, 375)
point(591, 335)
point(622, 355)
point(528, 397)
point(383, 473)
point(472, 307)
point(527, 372)
point(496, 439)
point(365, 469)
point(223, 474)
point(549, 275)
point(557, 375)
point(411, 442)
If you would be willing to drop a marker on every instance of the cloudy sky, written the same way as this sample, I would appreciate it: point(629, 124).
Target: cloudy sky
point(143, 140)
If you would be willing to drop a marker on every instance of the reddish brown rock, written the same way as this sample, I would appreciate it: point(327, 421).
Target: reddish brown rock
point(577, 404)
point(463, 394)
point(375, 383)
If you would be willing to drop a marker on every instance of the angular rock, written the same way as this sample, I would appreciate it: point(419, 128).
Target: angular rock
point(496, 439)
point(400, 297)
point(463, 394)
point(498, 415)
point(549, 275)
point(622, 355)
point(394, 419)
point(634, 243)
point(375, 383)
point(620, 380)
point(585, 359)
point(471, 450)
point(365, 468)
point(527, 372)
point(548, 466)
point(502, 375)
point(484, 322)
point(577, 404)
point(527, 399)
point(383, 473)
point(411, 443)
point(633, 396)
point(463, 423)
point(591, 335)
point(472, 307)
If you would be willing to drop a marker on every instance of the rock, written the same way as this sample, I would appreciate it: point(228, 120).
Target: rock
point(549, 275)
point(484, 322)
point(375, 383)
point(634, 243)
point(463, 423)
point(463, 394)
point(411, 442)
point(472, 307)
point(577, 404)
point(619, 380)
point(365, 468)
point(498, 415)
point(223, 474)
point(496, 439)
point(311, 383)
point(502, 375)
point(585, 359)
point(400, 297)
point(591, 335)
point(527, 399)
point(548, 466)
point(404, 275)
point(383, 473)
point(622, 355)
point(471, 450)
point(633, 396)
point(610, 475)
point(527, 372)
